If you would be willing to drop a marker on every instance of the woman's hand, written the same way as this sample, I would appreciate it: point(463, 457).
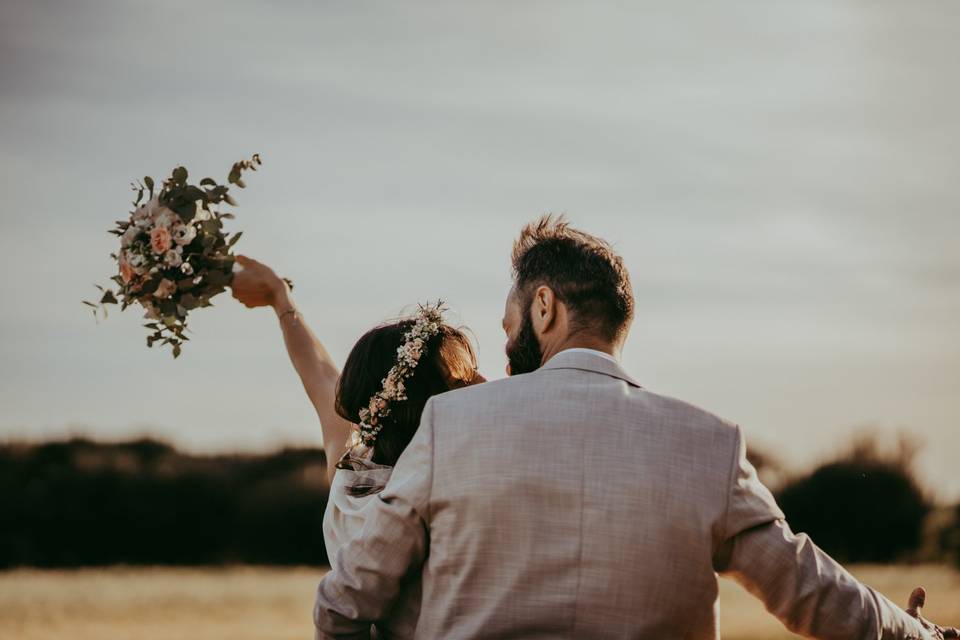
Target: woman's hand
point(256, 285)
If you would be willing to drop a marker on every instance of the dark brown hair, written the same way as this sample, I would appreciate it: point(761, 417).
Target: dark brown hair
point(449, 363)
point(583, 271)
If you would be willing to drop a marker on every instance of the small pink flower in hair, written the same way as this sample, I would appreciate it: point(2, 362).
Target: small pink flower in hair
point(389, 386)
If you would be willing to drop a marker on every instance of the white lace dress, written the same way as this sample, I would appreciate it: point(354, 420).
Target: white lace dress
point(356, 483)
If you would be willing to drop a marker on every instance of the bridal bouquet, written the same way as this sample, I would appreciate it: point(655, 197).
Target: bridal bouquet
point(174, 254)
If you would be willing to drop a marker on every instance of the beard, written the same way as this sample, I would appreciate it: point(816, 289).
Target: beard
point(523, 352)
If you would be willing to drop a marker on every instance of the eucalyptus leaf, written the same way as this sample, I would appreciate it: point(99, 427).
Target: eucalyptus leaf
point(150, 286)
point(192, 193)
point(216, 278)
point(216, 194)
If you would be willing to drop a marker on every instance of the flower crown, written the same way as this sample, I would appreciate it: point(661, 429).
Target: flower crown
point(427, 324)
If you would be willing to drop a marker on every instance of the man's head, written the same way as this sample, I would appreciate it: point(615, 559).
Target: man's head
point(569, 289)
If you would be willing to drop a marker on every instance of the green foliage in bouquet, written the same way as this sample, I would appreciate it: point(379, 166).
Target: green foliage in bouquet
point(174, 254)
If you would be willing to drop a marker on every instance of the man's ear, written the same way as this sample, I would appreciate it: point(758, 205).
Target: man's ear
point(543, 310)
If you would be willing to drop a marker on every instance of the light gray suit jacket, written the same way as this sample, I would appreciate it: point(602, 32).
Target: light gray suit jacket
point(571, 503)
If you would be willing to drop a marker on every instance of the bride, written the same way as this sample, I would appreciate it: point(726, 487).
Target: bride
point(370, 411)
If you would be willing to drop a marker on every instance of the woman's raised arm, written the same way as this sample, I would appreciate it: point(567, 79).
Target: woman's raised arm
point(256, 285)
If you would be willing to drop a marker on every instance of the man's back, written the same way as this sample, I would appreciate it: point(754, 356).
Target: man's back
point(570, 502)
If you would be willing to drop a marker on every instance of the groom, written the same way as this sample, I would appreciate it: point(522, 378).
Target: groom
point(568, 502)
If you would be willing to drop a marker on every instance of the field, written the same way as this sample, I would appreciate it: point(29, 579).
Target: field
point(246, 603)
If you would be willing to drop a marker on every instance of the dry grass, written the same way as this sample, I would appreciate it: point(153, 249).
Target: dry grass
point(242, 603)
point(743, 617)
point(161, 603)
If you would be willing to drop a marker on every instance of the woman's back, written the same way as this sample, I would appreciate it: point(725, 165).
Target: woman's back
point(356, 483)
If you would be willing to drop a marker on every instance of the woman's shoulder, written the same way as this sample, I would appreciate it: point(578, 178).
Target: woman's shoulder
point(357, 476)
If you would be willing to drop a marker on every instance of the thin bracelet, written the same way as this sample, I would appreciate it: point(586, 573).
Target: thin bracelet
point(292, 310)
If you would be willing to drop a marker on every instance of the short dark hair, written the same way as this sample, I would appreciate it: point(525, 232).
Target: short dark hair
point(584, 272)
point(448, 363)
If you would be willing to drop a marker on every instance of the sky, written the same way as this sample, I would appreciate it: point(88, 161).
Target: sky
point(780, 178)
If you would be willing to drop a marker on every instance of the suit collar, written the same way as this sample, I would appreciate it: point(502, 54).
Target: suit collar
point(586, 361)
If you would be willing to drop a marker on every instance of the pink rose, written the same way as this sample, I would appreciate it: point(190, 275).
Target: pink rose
point(160, 240)
point(126, 271)
point(150, 311)
point(165, 289)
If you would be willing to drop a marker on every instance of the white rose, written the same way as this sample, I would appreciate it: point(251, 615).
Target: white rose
point(129, 235)
point(172, 257)
point(186, 268)
point(165, 218)
point(146, 210)
point(137, 262)
point(152, 205)
point(183, 233)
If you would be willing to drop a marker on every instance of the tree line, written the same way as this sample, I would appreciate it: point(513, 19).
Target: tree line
point(83, 503)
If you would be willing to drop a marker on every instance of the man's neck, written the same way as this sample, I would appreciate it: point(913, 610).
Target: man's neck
point(581, 342)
